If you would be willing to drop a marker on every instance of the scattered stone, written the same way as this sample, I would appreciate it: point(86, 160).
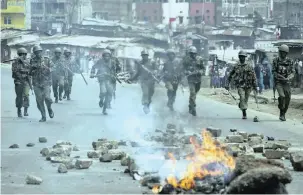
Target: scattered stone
point(256, 119)
point(171, 131)
point(134, 144)
point(274, 154)
point(30, 145)
point(60, 142)
point(58, 159)
point(117, 154)
point(153, 178)
point(280, 145)
point(243, 134)
point(94, 154)
point(14, 146)
point(62, 152)
point(256, 135)
point(158, 131)
point(75, 148)
point(233, 130)
point(102, 139)
point(42, 139)
point(62, 168)
point(45, 151)
point(124, 161)
point(83, 163)
point(171, 126)
point(100, 145)
point(234, 149)
point(215, 132)
point(76, 156)
point(69, 164)
point(235, 139)
point(258, 148)
point(296, 159)
point(33, 180)
point(106, 158)
point(252, 141)
point(122, 143)
point(270, 138)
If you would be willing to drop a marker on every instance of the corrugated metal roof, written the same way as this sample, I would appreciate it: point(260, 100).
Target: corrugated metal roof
point(236, 32)
point(12, 33)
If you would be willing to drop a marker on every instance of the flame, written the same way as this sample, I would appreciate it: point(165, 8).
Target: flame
point(205, 154)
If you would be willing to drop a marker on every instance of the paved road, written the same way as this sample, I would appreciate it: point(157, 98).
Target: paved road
point(81, 122)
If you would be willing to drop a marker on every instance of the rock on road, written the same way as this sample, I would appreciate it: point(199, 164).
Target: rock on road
point(81, 122)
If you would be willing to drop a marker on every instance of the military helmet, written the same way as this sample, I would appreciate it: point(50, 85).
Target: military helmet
point(58, 50)
point(170, 51)
point(21, 50)
point(67, 51)
point(110, 47)
point(192, 49)
point(242, 53)
point(37, 48)
point(106, 51)
point(284, 48)
point(144, 52)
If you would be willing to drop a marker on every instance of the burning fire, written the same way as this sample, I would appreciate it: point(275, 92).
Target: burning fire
point(205, 155)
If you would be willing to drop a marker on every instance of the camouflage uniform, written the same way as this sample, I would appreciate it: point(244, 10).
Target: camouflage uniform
point(22, 80)
point(59, 75)
point(105, 72)
point(194, 69)
point(284, 68)
point(42, 80)
point(172, 76)
point(72, 67)
point(245, 80)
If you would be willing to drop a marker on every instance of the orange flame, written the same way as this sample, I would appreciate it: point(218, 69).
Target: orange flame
point(207, 152)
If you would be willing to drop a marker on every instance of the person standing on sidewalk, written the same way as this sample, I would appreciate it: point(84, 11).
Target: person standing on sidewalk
point(22, 80)
point(245, 80)
point(283, 71)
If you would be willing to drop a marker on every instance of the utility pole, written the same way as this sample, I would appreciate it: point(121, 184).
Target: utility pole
point(286, 13)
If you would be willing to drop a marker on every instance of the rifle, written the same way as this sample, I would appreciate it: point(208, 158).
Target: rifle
point(69, 70)
point(110, 75)
point(27, 78)
point(149, 72)
point(256, 99)
point(11, 60)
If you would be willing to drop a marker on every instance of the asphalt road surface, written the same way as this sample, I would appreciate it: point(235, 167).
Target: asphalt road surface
point(81, 122)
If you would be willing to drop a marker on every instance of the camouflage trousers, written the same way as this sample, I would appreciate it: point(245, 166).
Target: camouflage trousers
point(284, 91)
point(106, 91)
point(43, 96)
point(68, 83)
point(194, 88)
point(244, 96)
point(172, 88)
point(148, 89)
point(58, 82)
point(22, 95)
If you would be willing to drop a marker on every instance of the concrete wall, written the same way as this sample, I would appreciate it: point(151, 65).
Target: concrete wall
point(149, 12)
point(172, 9)
point(205, 10)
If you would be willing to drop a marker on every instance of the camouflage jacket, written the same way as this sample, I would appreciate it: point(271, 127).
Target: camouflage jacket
point(40, 70)
point(172, 71)
point(243, 75)
point(145, 70)
point(20, 71)
point(195, 67)
point(71, 66)
point(59, 67)
point(105, 70)
point(283, 68)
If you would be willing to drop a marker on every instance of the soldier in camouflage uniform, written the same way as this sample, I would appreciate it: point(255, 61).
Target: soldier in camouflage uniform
point(117, 67)
point(59, 74)
point(104, 70)
point(245, 80)
point(172, 75)
point(193, 68)
point(22, 80)
point(40, 70)
point(283, 71)
point(71, 66)
point(145, 70)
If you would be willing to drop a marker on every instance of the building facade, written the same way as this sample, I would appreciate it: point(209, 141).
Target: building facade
point(175, 10)
point(288, 12)
point(151, 12)
point(202, 12)
point(112, 9)
point(15, 14)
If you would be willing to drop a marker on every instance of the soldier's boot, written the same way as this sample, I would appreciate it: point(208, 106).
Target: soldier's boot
point(170, 105)
point(146, 109)
point(60, 97)
point(56, 99)
point(282, 116)
point(64, 96)
point(50, 112)
point(68, 97)
point(19, 112)
point(43, 119)
point(101, 104)
point(104, 110)
point(25, 113)
point(244, 115)
point(109, 106)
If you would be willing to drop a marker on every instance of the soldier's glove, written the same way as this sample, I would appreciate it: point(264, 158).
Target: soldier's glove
point(257, 89)
point(227, 87)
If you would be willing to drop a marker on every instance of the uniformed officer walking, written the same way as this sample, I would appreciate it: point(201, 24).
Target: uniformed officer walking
point(59, 74)
point(145, 71)
point(40, 70)
point(172, 76)
point(193, 68)
point(117, 69)
point(71, 66)
point(22, 80)
point(245, 80)
point(104, 70)
point(283, 71)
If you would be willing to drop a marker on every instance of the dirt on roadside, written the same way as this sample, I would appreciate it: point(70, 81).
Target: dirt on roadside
point(295, 111)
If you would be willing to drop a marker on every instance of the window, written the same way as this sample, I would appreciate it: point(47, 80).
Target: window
point(155, 18)
point(155, 11)
point(7, 20)
point(197, 11)
point(207, 11)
